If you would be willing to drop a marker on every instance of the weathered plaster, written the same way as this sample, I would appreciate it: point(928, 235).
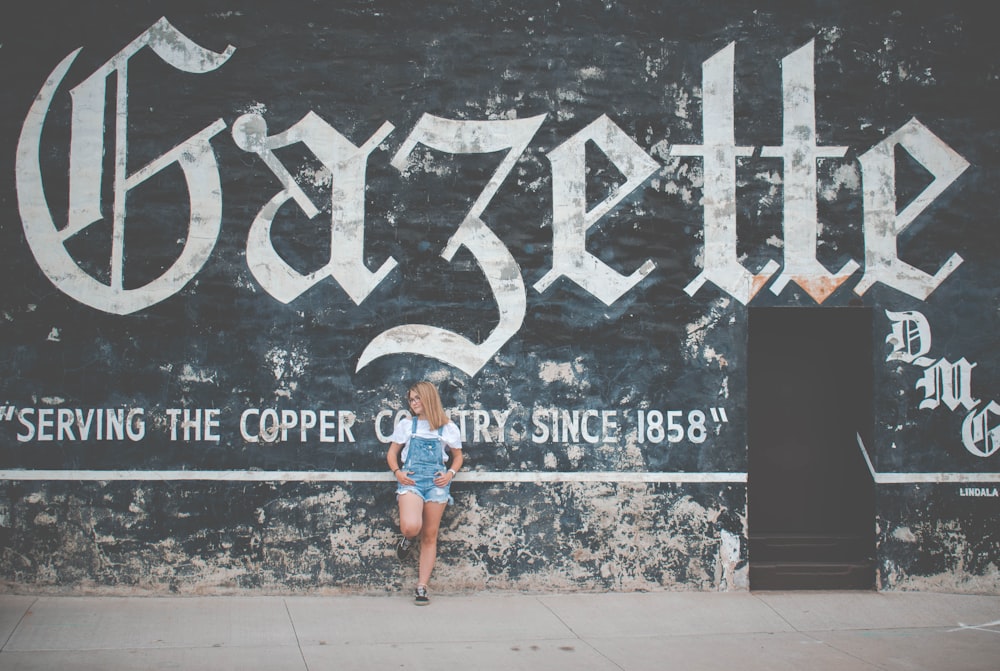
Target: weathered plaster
point(224, 342)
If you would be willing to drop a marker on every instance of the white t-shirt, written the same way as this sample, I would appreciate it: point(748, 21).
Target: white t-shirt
point(401, 434)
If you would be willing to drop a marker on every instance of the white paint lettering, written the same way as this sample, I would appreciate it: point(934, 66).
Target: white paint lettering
point(194, 157)
point(609, 426)
point(308, 421)
point(346, 163)
point(498, 265)
point(799, 154)
point(981, 431)
point(571, 220)
point(380, 432)
point(910, 337)
point(538, 420)
point(501, 421)
point(883, 225)
point(346, 420)
point(64, 424)
point(719, 152)
point(948, 383)
point(244, 427)
point(481, 422)
point(24, 417)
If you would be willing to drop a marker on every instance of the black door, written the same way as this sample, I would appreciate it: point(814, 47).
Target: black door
point(810, 497)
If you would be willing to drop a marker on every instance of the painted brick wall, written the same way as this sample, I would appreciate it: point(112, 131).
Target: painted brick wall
point(253, 306)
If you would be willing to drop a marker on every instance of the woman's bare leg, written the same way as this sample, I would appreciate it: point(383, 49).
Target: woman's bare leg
point(428, 540)
point(411, 515)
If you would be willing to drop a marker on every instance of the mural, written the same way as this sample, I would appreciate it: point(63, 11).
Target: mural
point(944, 382)
point(233, 237)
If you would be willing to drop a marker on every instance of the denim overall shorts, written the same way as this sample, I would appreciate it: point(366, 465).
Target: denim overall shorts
point(424, 461)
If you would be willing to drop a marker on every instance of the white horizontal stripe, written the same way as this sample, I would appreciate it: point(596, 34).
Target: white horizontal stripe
point(466, 476)
point(916, 478)
point(367, 476)
point(942, 478)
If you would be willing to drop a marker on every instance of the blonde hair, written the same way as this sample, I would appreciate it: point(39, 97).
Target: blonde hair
point(433, 410)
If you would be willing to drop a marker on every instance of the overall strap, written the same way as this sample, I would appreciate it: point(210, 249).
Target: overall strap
point(440, 432)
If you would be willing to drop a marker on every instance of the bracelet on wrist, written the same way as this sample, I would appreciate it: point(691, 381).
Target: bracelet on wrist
point(453, 472)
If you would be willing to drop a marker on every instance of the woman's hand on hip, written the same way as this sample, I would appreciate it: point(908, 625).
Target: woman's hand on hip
point(443, 479)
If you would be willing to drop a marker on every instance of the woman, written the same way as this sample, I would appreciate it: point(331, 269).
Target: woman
point(421, 445)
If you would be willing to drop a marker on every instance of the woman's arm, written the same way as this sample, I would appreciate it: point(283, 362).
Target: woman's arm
point(456, 463)
point(392, 458)
point(457, 459)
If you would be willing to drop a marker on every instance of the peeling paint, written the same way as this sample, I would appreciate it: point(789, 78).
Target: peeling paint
point(301, 538)
point(223, 341)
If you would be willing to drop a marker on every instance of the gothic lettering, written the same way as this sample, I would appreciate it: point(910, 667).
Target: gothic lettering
point(498, 265)
point(948, 383)
point(194, 156)
point(347, 164)
point(944, 382)
point(910, 337)
point(800, 153)
point(981, 431)
point(719, 151)
point(571, 219)
point(883, 226)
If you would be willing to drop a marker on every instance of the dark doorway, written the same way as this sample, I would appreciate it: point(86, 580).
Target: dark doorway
point(810, 495)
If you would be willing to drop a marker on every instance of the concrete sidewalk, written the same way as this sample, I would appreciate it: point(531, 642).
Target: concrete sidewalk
point(770, 631)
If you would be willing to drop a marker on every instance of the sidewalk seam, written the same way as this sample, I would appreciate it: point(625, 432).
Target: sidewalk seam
point(298, 643)
point(577, 636)
point(18, 625)
point(812, 635)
